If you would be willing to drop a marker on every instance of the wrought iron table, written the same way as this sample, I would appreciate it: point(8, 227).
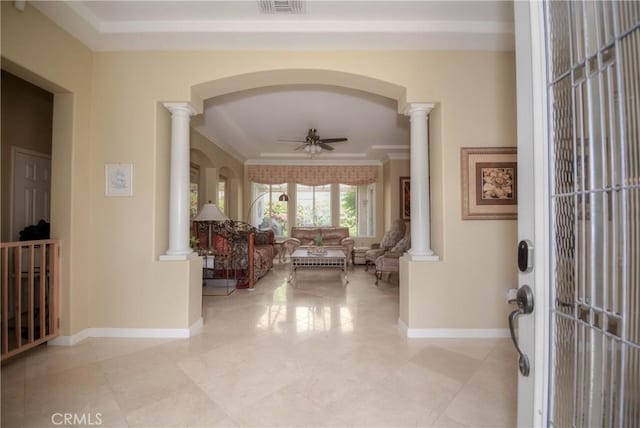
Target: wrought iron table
point(305, 258)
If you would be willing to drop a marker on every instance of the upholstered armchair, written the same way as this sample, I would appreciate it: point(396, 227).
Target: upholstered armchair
point(389, 262)
point(389, 240)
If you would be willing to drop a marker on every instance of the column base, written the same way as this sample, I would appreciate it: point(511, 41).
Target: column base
point(175, 257)
point(421, 257)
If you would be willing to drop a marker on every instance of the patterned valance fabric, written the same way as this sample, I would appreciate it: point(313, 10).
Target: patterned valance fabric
point(316, 175)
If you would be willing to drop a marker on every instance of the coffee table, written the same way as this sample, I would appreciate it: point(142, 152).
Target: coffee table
point(329, 259)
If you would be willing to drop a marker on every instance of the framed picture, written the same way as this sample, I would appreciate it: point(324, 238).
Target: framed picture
point(405, 198)
point(489, 183)
point(118, 179)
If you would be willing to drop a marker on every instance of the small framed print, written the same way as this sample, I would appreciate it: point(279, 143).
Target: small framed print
point(489, 183)
point(405, 198)
point(118, 179)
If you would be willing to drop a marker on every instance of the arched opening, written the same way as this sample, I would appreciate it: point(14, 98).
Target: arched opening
point(203, 91)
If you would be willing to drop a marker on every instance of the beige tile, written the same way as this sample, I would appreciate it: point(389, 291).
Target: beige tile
point(81, 391)
point(138, 390)
point(503, 352)
point(473, 406)
point(412, 381)
point(186, 406)
point(55, 359)
point(319, 354)
point(445, 422)
point(497, 378)
point(14, 371)
point(380, 407)
point(286, 408)
point(452, 364)
point(478, 349)
point(12, 403)
point(247, 385)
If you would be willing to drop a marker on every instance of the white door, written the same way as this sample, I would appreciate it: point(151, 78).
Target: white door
point(579, 152)
point(31, 189)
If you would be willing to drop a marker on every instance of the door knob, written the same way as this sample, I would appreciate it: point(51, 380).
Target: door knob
point(524, 301)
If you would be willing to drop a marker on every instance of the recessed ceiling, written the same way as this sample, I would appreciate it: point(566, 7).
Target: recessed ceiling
point(239, 24)
point(249, 123)
point(253, 124)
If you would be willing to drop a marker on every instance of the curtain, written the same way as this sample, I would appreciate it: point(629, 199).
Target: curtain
point(313, 175)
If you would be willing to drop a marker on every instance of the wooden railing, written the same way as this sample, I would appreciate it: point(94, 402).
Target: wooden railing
point(29, 299)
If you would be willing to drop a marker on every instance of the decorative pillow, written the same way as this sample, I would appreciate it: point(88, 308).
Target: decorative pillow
point(402, 246)
point(335, 234)
point(393, 235)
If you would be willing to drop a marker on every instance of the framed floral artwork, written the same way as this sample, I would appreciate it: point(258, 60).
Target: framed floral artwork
point(118, 179)
point(489, 183)
point(405, 198)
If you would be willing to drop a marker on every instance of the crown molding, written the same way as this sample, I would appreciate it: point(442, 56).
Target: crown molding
point(306, 162)
point(391, 147)
point(305, 155)
point(396, 156)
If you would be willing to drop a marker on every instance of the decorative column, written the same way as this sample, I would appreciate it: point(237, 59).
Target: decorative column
point(420, 216)
point(179, 182)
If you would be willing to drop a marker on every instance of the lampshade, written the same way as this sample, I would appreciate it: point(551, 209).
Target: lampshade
point(210, 212)
point(283, 198)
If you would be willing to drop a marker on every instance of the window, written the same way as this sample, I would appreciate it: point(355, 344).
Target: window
point(193, 187)
point(354, 207)
point(313, 205)
point(357, 209)
point(266, 211)
point(222, 194)
point(194, 178)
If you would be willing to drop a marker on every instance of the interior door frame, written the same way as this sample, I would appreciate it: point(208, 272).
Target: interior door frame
point(533, 207)
point(12, 179)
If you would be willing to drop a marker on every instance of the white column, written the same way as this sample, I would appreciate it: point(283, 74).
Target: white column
point(179, 182)
point(420, 217)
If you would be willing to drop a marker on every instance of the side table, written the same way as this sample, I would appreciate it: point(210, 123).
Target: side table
point(209, 280)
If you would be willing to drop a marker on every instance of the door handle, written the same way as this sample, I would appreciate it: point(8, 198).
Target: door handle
point(524, 300)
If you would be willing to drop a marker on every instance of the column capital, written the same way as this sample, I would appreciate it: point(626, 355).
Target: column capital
point(418, 108)
point(178, 108)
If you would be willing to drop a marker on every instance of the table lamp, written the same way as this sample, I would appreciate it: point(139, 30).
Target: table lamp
point(211, 214)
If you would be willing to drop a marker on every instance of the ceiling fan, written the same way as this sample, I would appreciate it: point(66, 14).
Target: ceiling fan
point(313, 144)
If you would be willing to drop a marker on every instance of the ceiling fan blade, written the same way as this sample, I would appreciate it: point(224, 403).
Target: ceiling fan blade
point(301, 146)
point(333, 140)
point(325, 146)
point(290, 140)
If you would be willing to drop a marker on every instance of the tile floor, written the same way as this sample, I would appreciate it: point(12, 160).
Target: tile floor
point(318, 354)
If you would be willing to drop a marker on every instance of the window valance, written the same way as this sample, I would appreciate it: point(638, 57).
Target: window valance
point(315, 175)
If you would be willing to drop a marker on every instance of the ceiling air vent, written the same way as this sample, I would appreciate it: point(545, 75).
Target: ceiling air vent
point(281, 6)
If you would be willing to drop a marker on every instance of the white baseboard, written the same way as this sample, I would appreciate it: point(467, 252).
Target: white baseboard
point(196, 327)
point(457, 333)
point(135, 333)
point(70, 340)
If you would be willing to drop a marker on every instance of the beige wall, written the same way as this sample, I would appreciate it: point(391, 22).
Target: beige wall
point(396, 168)
point(39, 52)
point(478, 258)
point(475, 96)
point(27, 120)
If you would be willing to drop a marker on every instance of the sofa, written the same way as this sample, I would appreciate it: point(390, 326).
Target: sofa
point(251, 251)
point(333, 237)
